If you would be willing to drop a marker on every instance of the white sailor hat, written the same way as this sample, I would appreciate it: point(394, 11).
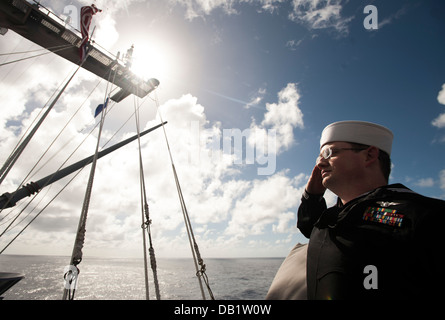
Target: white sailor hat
point(361, 132)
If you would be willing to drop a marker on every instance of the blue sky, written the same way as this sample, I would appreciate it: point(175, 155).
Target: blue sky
point(260, 67)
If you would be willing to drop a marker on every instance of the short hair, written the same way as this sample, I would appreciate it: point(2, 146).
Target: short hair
point(384, 159)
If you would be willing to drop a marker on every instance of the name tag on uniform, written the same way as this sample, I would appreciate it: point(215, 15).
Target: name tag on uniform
point(386, 216)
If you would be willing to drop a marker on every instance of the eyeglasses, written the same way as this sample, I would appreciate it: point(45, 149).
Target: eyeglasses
point(327, 152)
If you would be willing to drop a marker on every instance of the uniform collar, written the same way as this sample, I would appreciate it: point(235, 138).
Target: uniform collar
point(396, 187)
point(331, 216)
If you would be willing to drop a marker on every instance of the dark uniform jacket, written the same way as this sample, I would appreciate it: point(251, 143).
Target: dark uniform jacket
point(386, 244)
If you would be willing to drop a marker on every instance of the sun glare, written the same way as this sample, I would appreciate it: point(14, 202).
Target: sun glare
point(151, 60)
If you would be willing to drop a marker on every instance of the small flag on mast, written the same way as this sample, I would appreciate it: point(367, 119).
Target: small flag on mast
point(100, 107)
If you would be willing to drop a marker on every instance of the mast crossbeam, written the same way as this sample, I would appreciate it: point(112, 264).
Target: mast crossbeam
point(44, 28)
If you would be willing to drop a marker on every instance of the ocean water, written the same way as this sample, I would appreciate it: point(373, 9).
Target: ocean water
point(123, 279)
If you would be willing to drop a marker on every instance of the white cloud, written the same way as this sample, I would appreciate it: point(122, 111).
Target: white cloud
point(267, 202)
point(441, 95)
point(293, 44)
point(286, 111)
point(286, 223)
point(425, 182)
point(282, 117)
point(442, 179)
point(388, 20)
point(199, 8)
point(270, 5)
point(320, 14)
point(256, 99)
point(315, 14)
point(106, 30)
point(440, 120)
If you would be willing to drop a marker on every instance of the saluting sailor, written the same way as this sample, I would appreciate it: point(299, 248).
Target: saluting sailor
point(379, 241)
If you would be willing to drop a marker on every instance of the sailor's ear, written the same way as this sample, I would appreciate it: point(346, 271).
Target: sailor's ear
point(372, 155)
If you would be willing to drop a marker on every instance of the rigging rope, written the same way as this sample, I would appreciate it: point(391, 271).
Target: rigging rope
point(46, 206)
point(76, 256)
point(37, 50)
point(146, 221)
point(197, 259)
point(31, 174)
point(6, 74)
point(16, 154)
point(18, 151)
point(58, 135)
point(37, 55)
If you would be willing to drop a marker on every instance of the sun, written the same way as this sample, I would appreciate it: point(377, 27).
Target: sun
point(152, 59)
